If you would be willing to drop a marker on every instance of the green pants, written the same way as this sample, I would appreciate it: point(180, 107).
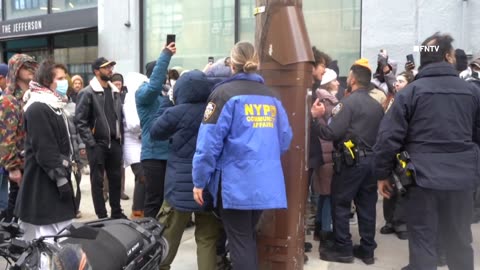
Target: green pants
point(207, 228)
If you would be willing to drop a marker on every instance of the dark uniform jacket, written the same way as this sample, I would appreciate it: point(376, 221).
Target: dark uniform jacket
point(436, 119)
point(356, 117)
point(47, 159)
point(180, 123)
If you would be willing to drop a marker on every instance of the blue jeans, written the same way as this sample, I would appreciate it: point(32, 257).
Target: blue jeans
point(3, 191)
point(324, 212)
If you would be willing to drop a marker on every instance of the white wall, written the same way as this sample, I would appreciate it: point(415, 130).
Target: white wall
point(399, 25)
point(116, 41)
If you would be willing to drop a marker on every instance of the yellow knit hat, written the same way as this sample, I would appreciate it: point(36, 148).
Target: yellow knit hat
point(362, 62)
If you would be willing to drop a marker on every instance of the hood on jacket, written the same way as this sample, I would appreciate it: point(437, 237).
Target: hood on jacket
point(192, 87)
point(219, 69)
point(15, 63)
point(437, 69)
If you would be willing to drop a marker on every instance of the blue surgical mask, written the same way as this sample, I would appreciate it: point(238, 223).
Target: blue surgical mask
point(62, 87)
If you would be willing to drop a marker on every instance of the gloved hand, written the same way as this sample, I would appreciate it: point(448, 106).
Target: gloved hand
point(64, 188)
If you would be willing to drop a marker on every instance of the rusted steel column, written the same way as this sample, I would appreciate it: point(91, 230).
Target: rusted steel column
point(286, 64)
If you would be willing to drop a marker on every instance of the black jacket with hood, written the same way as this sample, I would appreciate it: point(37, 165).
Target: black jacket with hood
point(180, 123)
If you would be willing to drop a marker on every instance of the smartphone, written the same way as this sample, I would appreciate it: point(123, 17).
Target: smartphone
point(410, 59)
point(170, 38)
point(210, 59)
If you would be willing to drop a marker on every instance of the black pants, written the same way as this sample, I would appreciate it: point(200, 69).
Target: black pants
point(356, 184)
point(394, 212)
point(12, 199)
point(78, 194)
point(106, 160)
point(242, 241)
point(476, 205)
point(154, 185)
point(434, 212)
point(139, 189)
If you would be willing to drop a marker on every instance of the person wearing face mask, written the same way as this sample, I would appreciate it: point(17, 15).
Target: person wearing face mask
point(99, 119)
point(48, 156)
point(21, 69)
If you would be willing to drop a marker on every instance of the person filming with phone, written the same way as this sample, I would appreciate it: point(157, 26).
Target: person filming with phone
point(149, 98)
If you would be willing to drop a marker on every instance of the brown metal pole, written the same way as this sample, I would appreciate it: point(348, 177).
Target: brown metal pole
point(286, 64)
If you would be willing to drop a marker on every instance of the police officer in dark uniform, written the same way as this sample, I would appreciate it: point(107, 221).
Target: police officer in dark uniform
point(353, 129)
point(436, 120)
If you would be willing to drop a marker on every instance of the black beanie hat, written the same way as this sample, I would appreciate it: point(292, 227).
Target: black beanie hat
point(149, 68)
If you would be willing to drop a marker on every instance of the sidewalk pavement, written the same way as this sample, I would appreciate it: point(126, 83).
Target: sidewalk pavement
point(391, 254)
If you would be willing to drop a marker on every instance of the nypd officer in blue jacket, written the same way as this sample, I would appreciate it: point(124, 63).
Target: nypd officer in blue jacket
point(245, 131)
point(353, 129)
point(436, 119)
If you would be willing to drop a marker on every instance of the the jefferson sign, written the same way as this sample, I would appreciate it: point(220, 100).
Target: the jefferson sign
point(22, 27)
point(49, 24)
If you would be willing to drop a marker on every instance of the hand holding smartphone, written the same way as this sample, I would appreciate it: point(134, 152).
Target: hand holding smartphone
point(171, 43)
point(170, 38)
point(410, 65)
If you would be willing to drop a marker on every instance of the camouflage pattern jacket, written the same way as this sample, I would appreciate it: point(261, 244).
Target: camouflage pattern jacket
point(12, 132)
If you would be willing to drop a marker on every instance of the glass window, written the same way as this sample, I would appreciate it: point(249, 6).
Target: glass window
point(77, 51)
point(333, 27)
point(247, 21)
point(203, 28)
point(25, 8)
point(67, 5)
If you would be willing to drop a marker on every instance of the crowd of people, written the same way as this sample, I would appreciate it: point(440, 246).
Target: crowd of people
point(207, 145)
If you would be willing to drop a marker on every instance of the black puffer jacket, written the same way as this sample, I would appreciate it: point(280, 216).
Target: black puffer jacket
point(180, 123)
point(90, 115)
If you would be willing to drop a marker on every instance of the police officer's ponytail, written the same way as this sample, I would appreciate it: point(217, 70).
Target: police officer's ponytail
point(244, 58)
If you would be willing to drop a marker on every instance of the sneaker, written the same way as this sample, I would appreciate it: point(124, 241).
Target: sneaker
point(308, 247)
point(78, 215)
point(334, 255)
point(387, 229)
point(120, 216)
point(124, 197)
point(359, 253)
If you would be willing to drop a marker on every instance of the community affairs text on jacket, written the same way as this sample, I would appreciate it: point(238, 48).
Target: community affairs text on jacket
point(243, 135)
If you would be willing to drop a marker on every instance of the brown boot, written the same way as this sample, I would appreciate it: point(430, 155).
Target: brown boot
point(137, 214)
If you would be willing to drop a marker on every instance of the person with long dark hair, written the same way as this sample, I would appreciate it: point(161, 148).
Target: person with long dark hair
point(45, 203)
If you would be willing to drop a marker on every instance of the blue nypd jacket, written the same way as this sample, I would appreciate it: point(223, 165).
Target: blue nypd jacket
point(244, 132)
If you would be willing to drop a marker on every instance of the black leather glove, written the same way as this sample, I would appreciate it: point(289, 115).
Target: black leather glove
point(65, 189)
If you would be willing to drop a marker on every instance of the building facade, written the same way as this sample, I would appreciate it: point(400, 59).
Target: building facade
point(64, 29)
point(133, 32)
